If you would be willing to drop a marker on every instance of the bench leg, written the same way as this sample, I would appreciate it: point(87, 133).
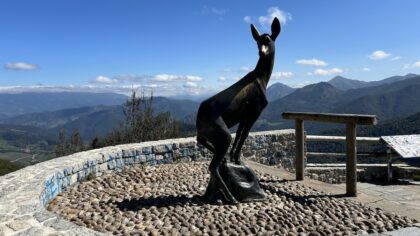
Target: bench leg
point(389, 155)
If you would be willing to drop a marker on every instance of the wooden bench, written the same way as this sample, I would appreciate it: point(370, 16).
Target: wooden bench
point(351, 121)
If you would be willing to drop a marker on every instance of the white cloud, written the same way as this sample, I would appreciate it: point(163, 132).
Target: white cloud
point(226, 70)
point(241, 69)
point(105, 80)
point(411, 66)
point(396, 58)
point(331, 71)
point(160, 84)
point(379, 55)
point(282, 75)
point(266, 20)
point(176, 78)
point(210, 10)
point(248, 19)
point(274, 12)
point(158, 89)
point(312, 62)
point(190, 84)
point(299, 85)
point(227, 79)
point(163, 78)
point(20, 66)
point(366, 69)
point(244, 69)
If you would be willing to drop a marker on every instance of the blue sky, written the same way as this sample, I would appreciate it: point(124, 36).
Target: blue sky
point(199, 47)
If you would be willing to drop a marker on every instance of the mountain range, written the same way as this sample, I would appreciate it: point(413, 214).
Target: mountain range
point(346, 84)
point(401, 126)
point(98, 114)
point(388, 99)
point(13, 104)
point(277, 91)
point(98, 120)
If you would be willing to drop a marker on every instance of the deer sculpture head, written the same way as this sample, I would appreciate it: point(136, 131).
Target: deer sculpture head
point(265, 42)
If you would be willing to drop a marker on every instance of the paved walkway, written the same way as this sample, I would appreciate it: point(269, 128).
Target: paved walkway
point(402, 199)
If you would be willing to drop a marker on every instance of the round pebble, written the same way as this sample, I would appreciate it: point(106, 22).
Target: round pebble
point(166, 199)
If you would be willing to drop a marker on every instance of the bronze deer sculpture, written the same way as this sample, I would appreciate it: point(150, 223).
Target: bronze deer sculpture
point(241, 103)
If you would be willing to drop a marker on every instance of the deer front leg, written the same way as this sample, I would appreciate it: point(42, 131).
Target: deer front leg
point(248, 122)
point(235, 143)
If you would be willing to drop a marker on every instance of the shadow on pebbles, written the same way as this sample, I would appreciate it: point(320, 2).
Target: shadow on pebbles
point(165, 200)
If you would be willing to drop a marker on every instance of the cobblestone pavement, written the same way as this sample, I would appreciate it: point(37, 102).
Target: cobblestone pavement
point(166, 199)
point(402, 198)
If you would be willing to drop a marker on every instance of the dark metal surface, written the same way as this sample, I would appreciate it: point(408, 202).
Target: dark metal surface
point(241, 103)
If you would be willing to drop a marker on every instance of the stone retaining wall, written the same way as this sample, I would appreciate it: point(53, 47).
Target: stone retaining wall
point(336, 173)
point(25, 193)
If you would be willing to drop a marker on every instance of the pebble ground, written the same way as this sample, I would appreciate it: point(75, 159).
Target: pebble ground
point(165, 200)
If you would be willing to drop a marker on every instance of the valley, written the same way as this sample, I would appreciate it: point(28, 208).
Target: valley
point(28, 134)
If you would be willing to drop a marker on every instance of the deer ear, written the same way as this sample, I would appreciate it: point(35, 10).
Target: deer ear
point(275, 28)
point(255, 33)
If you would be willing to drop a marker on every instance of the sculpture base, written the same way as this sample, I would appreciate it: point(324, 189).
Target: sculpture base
point(241, 182)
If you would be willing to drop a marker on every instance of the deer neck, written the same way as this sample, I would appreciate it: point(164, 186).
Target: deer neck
point(264, 69)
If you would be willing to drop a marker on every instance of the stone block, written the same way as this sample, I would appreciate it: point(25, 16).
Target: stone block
point(43, 215)
point(17, 225)
point(67, 171)
point(187, 144)
point(168, 157)
point(142, 158)
point(118, 162)
point(129, 160)
point(81, 175)
point(66, 181)
point(73, 179)
point(176, 154)
point(147, 150)
point(102, 167)
point(163, 148)
point(111, 164)
point(33, 231)
point(150, 157)
point(59, 224)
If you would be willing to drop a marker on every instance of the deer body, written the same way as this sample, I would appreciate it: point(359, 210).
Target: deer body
point(240, 103)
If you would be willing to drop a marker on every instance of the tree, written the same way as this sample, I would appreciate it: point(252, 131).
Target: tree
point(76, 142)
point(62, 145)
point(140, 123)
point(94, 143)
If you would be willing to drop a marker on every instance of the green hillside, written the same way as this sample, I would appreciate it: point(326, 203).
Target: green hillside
point(32, 102)
point(406, 125)
point(7, 167)
point(26, 145)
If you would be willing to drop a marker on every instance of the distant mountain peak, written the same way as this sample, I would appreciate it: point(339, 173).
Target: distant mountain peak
point(345, 84)
point(338, 77)
point(278, 90)
point(321, 89)
point(411, 75)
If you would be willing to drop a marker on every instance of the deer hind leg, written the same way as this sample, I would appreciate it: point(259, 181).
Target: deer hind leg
point(216, 135)
point(203, 141)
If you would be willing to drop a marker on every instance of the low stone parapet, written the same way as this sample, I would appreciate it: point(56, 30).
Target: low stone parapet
point(336, 173)
point(25, 193)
